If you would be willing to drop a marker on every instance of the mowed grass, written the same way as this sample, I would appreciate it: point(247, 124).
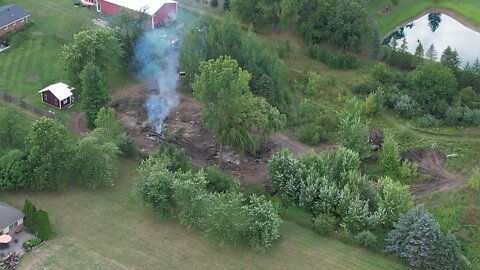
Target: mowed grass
point(34, 59)
point(109, 229)
point(407, 9)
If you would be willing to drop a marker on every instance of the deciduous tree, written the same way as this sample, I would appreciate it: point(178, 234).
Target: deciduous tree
point(13, 127)
point(263, 222)
point(98, 46)
point(230, 110)
point(390, 156)
point(48, 154)
point(344, 22)
point(394, 199)
point(93, 162)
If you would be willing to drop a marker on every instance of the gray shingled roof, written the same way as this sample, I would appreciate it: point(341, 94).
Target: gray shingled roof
point(8, 215)
point(10, 13)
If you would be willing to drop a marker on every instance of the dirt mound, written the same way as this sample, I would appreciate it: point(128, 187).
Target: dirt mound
point(129, 106)
point(431, 162)
point(375, 137)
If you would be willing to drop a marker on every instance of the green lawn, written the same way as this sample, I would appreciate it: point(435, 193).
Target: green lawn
point(109, 229)
point(33, 60)
point(406, 9)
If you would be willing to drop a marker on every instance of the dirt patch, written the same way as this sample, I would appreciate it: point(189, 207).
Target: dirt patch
point(375, 137)
point(280, 140)
point(184, 128)
point(78, 124)
point(128, 103)
point(431, 162)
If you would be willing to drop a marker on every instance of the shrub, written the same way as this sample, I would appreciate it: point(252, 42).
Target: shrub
point(218, 181)
point(384, 75)
point(325, 224)
point(366, 239)
point(333, 59)
point(364, 88)
point(178, 161)
point(408, 172)
point(312, 134)
point(427, 121)
point(256, 188)
point(407, 107)
point(126, 145)
point(296, 214)
point(374, 102)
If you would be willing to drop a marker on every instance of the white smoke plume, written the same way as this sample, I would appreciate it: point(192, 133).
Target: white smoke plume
point(156, 56)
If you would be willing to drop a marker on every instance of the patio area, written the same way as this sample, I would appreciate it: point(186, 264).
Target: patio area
point(15, 246)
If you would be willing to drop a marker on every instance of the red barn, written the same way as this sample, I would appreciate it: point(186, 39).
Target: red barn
point(161, 12)
point(58, 95)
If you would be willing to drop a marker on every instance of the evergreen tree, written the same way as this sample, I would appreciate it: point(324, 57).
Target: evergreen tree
point(450, 58)
point(375, 41)
point(417, 238)
point(31, 216)
point(404, 46)
point(44, 228)
point(431, 53)
point(419, 50)
point(94, 94)
point(27, 206)
point(226, 5)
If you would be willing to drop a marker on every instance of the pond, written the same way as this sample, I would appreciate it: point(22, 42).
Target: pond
point(442, 31)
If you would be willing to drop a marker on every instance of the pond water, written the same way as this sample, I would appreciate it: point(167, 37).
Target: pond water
point(442, 31)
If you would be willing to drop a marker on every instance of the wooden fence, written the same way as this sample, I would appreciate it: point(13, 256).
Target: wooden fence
point(27, 106)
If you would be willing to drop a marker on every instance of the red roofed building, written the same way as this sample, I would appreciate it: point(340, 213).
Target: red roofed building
point(161, 12)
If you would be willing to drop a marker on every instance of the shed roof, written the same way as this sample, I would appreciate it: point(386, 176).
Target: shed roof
point(11, 13)
point(150, 6)
point(9, 215)
point(59, 90)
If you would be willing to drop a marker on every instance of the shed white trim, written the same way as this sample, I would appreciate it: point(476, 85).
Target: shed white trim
point(60, 90)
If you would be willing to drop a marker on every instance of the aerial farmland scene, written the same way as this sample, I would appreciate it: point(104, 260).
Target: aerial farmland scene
point(239, 134)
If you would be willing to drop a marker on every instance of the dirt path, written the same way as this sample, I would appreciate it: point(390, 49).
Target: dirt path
point(283, 141)
point(77, 123)
point(431, 162)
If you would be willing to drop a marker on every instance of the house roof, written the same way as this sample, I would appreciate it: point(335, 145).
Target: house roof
point(59, 90)
point(11, 13)
point(8, 215)
point(151, 6)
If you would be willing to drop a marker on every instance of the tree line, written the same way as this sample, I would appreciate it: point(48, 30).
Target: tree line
point(45, 155)
point(223, 214)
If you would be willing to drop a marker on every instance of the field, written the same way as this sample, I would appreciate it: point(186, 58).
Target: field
point(109, 229)
point(33, 60)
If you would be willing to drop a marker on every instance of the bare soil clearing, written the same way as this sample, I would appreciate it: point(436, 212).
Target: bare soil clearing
point(431, 162)
point(184, 128)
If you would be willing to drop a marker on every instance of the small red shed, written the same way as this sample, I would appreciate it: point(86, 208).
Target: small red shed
point(58, 95)
point(161, 12)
